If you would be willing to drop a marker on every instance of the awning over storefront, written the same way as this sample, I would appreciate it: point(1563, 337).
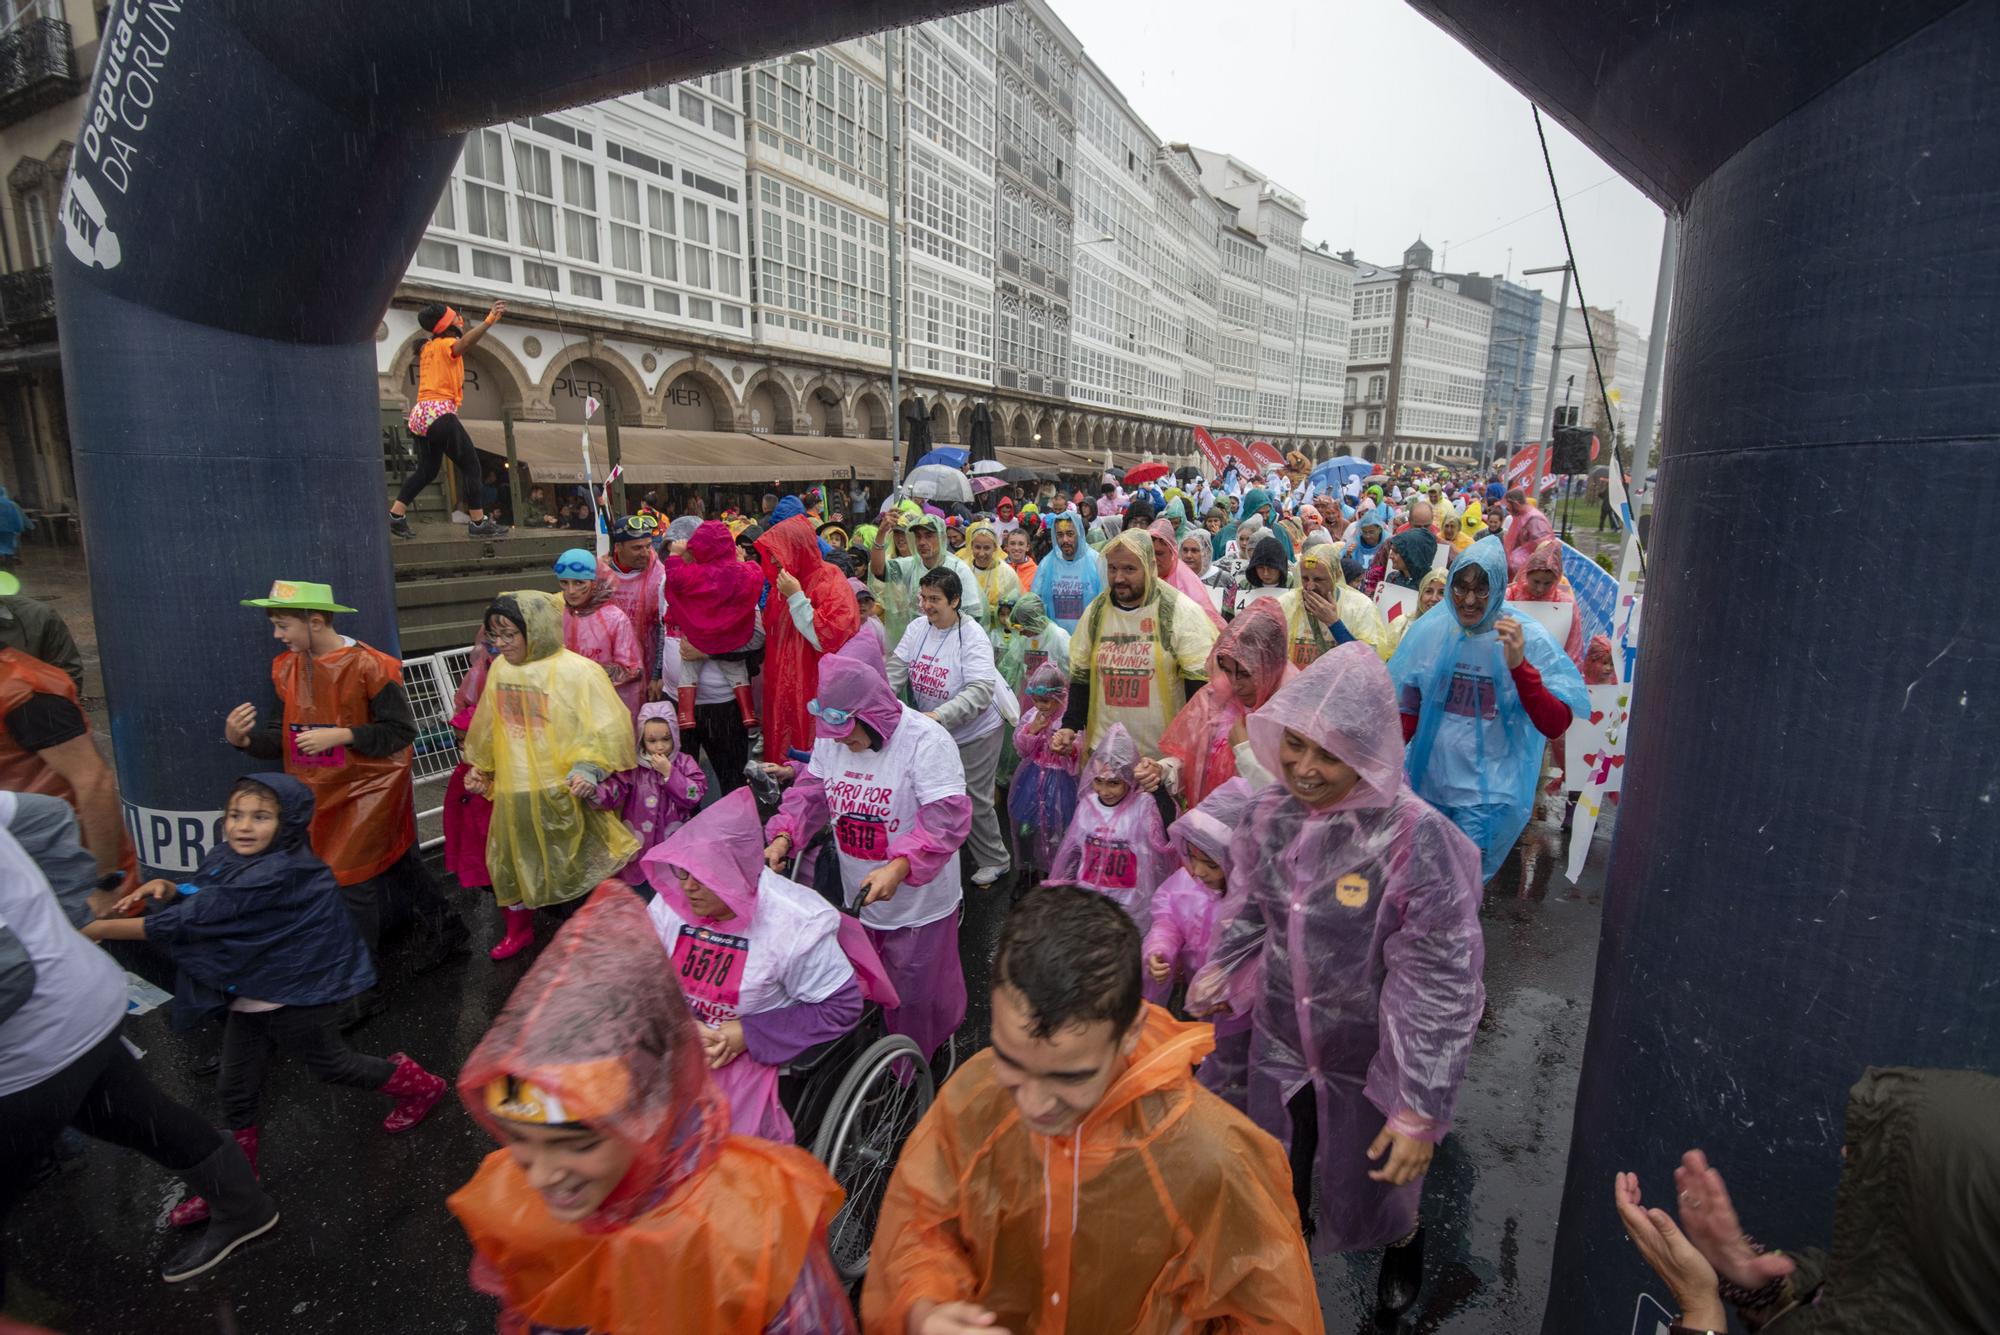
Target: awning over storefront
point(552, 452)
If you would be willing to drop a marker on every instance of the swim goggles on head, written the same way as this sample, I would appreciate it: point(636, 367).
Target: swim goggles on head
point(574, 569)
point(833, 718)
point(638, 526)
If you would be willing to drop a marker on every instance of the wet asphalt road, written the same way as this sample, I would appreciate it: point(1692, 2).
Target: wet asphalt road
point(366, 1243)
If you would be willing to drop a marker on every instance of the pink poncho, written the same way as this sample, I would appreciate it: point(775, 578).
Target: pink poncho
point(1119, 851)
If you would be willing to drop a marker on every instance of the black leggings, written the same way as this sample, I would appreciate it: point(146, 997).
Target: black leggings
point(104, 1093)
point(719, 730)
point(1304, 1108)
point(306, 1032)
point(446, 438)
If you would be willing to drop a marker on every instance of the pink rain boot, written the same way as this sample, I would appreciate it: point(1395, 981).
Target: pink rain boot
point(194, 1209)
point(415, 1090)
point(520, 933)
point(684, 698)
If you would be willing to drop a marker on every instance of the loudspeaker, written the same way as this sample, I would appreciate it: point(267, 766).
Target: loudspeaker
point(1571, 452)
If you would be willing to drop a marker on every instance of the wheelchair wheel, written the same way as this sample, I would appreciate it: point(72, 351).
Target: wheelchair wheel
point(876, 1107)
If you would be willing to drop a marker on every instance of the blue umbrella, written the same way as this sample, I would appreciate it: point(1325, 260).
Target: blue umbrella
point(949, 455)
point(1333, 474)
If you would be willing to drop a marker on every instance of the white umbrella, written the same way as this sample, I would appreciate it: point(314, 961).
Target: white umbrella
point(986, 466)
point(935, 482)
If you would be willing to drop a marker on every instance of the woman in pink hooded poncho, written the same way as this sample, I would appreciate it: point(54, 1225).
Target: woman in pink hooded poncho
point(758, 956)
point(1363, 905)
point(1168, 568)
point(1118, 849)
point(1041, 799)
point(891, 784)
point(1208, 742)
point(595, 626)
point(662, 792)
point(712, 596)
point(1541, 580)
point(1186, 910)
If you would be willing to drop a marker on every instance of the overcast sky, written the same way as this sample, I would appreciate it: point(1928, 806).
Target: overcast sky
point(1384, 126)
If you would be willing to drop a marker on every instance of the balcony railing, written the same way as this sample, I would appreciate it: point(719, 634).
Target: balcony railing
point(37, 69)
point(27, 304)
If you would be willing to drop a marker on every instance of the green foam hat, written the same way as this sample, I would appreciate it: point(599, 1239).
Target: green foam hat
point(296, 595)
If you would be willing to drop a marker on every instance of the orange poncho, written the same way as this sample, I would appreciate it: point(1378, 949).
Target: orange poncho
point(1166, 1210)
point(707, 1230)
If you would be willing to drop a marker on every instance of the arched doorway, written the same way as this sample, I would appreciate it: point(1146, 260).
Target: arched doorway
point(822, 412)
point(1023, 434)
point(965, 425)
point(576, 384)
point(870, 418)
point(941, 425)
point(768, 405)
point(694, 402)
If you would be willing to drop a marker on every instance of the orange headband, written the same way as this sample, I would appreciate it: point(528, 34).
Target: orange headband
point(445, 321)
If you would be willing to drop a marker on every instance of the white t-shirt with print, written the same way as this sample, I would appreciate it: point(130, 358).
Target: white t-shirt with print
point(941, 662)
point(872, 799)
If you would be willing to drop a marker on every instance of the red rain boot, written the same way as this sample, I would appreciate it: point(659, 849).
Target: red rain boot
point(194, 1209)
point(746, 704)
point(415, 1090)
point(520, 933)
point(685, 698)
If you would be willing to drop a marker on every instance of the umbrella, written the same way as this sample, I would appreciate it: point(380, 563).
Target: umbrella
point(1145, 473)
point(939, 483)
point(982, 434)
point(944, 456)
point(982, 485)
point(1026, 474)
point(985, 467)
point(1334, 473)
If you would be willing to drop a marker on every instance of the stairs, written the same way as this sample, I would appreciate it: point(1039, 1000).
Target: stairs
point(444, 580)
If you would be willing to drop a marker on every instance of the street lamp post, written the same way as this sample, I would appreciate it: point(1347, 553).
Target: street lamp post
point(1555, 365)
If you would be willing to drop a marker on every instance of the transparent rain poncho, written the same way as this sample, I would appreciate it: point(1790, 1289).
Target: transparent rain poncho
point(537, 723)
point(1122, 851)
point(703, 1221)
point(1363, 620)
point(1186, 913)
point(1365, 914)
point(1067, 585)
point(1198, 739)
point(1041, 799)
point(1475, 746)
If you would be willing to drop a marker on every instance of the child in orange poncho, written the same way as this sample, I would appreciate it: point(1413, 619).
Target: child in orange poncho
point(619, 1201)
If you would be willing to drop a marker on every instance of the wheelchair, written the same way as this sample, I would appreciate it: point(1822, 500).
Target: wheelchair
point(855, 1099)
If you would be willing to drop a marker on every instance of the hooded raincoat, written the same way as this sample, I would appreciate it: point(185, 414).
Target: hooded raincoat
point(1173, 571)
point(603, 634)
point(641, 595)
point(1067, 585)
point(1257, 501)
point(1041, 800)
point(728, 1226)
point(779, 950)
point(1186, 913)
point(552, 716)
point(1915, 1215)
point(791, 658)
point(1164, 1211)
point(1476, 754)
point(1133, 666)
point(1121, 852)
point(997, 583)
point(1197, 751)
point(904, 798)
point(1366, 916)
point(897, 589)
point(1309, 638)
point(1043, 641)
point(713, 592)
point(272, 927)
point(1548, 558)
point(653, 804)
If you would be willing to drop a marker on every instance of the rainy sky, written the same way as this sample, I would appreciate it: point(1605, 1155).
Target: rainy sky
point(1385, 126)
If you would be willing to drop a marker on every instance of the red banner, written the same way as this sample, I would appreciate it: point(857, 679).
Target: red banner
point(1266, 454)
point(1212, 456)
point(1522, 467)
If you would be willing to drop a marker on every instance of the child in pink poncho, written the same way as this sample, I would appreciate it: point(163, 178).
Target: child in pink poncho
point(1186, 909)
point(712, 593)
point(759, 958)
point(665, 789)
point(594, 625)
point(1116, 844)
point(1041, 797)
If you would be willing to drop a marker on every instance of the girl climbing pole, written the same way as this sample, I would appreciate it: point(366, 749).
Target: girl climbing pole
point(434, 421)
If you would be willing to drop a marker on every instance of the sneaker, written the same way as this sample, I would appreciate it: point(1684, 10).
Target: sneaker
point(213, 1245)
point(400, 526)
point(485, 528)
point(988, 875)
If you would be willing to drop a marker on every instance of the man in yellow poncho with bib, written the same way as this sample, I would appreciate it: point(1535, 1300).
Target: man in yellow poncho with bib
point(1139, 651)
point(549, 728)
point(1325, 610)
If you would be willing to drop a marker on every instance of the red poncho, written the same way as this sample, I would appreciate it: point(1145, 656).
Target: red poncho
point(712, 592)
point(791, 664)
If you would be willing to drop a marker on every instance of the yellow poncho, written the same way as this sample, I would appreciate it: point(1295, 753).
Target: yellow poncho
point(1309, 638)
point(537, 723)
point(1136, 663)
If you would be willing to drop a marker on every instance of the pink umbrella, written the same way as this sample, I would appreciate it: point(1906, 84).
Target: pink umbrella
point(984, 484)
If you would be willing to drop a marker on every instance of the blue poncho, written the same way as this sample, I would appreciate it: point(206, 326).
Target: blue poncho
point(1477, 756)
point(1066, 587)
point(271, 927)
